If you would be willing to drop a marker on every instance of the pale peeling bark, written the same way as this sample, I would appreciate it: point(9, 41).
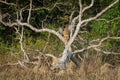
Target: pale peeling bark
point(65, 59)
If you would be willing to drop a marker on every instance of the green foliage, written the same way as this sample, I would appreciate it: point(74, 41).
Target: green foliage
point(100, 28)
point(2, 28)
point(109, 25)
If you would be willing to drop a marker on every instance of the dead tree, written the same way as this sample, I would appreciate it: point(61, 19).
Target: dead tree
point(73, 29)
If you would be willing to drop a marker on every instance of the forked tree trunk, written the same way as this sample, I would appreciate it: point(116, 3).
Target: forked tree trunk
point(64, 59)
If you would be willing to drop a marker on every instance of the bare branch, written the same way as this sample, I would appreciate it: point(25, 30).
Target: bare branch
point(93, 41)
point(25, 7)
point(104, 39)
point(79, 51)
point(106, 52)
point(22, 65)
point(42, 30)
point(4, 2)
point(72, 38)
point(74, 46)
point(80, 38)
point(108, 21)
point(50, 55)
point(80, 13)
point(44, 21)
point(33, 28)
point(71, 16)
point(72, 25)
point(8, 24)
point(10, 64)
point(29, 15)
point(22, 49)
point(95, 46)
point(75, 33)
point(91, 4)
point(21, 18)
point(21, 34)
point(47, 8)
point(99, 14)
point(84, 24)
point(82, 32)
point(5, 15)
point(21, 43)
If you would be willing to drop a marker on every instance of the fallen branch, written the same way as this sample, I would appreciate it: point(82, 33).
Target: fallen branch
point(9, 64)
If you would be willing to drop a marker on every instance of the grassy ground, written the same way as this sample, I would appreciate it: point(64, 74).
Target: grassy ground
point(92, 68)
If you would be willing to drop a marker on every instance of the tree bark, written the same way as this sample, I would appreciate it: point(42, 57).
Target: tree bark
point(64, 59)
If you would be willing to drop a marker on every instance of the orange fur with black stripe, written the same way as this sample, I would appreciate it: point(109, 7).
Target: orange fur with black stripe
point(66, 34)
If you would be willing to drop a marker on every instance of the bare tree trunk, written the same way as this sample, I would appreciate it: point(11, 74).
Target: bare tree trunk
point(64, 59)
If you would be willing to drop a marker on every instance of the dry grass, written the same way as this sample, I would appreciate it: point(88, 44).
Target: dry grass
point(92, 68)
